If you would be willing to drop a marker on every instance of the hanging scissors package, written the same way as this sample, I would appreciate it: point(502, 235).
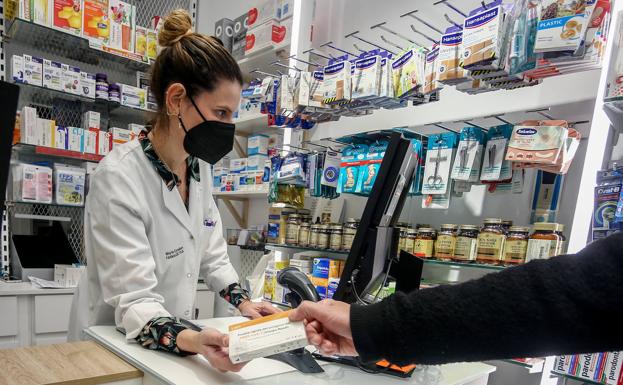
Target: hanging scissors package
point(370, 169)
point(352, 158)
point(494, 166)
point(469, 155)
point(439, 157)
point(418, 150)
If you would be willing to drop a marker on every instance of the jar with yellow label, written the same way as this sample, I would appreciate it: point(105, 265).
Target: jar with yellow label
point(335, 237)
point(348, 235)
point(323, 237)
point(424, 245)
point(446, 242)
point(304, 234)
point(292, 229)
point(506, 225)
point(544, 241)
point(402, 237)
point(466, 244)
point(516, 245)
point(491, 242)
point(313, 235)
point(410, 241)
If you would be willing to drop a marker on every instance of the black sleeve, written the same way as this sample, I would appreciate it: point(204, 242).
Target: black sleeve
point(567, 304)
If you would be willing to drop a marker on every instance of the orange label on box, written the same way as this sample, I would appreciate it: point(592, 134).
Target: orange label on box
point(95, 19)
point(67, 14)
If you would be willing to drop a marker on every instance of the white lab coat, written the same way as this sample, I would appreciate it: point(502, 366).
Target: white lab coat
point(144, 250)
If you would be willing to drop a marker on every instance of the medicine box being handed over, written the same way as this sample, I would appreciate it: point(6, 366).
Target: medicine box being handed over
point(265, 337)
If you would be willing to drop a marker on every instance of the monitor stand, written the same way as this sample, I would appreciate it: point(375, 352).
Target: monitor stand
point(299, 359)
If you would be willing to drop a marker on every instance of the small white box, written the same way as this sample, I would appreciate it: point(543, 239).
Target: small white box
point(238, 165)
point(256, 162)
point(264, 11)
point(91, 119)
point(32, 183)
point(286, 9)
point(45, 131)
point(61, 138)
point(17, 68)
point(69, 185)
point(257, 144)
point(264, 337)
point(70, 79)
point(68, 275)
point(268, 35)
point(136, 128)
point(52, 74)
point(133, 96)
point(104, 143)
point(87, 85)
point(75, 139)
point(120, 136)
point(28, 124)
point(91, 137)
point(33, 70)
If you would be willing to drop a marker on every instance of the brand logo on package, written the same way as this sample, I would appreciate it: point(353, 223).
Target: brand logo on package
point(366, 63)
point(609, 190)
point(453, 39)
point(334, 68)
point(481, 19)
point(432, 55)
point(209, 222)
point(555, 23)
point(318, 75)
point(403, 59)
point(330, 174)
point(526, 131)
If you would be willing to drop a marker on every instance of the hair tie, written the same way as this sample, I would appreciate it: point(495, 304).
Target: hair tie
point(189, 32)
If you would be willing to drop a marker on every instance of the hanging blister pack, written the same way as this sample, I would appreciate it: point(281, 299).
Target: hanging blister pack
point(337, 83)
point(523, 20)
point(562, 25)
point(432, 62)
point(483, 43)
point(408, 73)
point(439, 157)
point(607, 198)
point(366, 81)
point(292, 170)
point(494, 165)
point(330, 175)
point(468, 155)
point(350, 165)
point(369, 171)
point(418, 177)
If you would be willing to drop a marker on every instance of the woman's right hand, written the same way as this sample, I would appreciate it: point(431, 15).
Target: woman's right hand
point(212, 344)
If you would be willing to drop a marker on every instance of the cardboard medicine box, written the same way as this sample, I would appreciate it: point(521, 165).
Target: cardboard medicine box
point(33, 70)
point(67, 15)
point(95, 21)
point(122, 18)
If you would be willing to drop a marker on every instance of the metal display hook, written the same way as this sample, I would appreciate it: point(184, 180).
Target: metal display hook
point(426, 23)
point(452, 7)
point(443, 127)
point(305, 61)
point(498, 117)
point(319, 145)
point(475, 125)
point(384, 28)
point(279, 64)
point(354, 34)
point(423, 34)
point(359, 49)
point(311, 50)
point(391, 43)
point(449, 20)
point(542, 112)
point(258, 71)
point(330, 45)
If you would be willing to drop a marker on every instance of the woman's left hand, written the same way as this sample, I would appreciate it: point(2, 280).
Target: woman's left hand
point(255, 310)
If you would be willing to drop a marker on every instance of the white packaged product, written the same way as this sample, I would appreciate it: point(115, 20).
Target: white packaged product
point(238, 165)
point(32, 183)
point(264, 11)
point(91, 137)
point(562, 25)
point(45, 130)
point(87, 84)
point(61, 138)
point(257, 144)
point(267, 35)
point(52, 74)
point(33, 70)
point(336, 86)
point(75, 139)
point(91, 119)
point(17, 68)
point(367, 78)
point(136, 128)
point(104, 143)
point(133, 96)
point(69, 186)
point(482, 39)
point(256, 162)
point(120, 136)
point(70, 79)
point(28, 123)
point(68, 275)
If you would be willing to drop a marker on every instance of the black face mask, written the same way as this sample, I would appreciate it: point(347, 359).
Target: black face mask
point(210, 140)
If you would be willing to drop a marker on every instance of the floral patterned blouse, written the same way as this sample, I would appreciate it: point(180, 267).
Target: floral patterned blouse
point(160, 333)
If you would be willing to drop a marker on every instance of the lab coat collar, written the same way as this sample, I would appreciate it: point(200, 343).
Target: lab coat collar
point(173, 201)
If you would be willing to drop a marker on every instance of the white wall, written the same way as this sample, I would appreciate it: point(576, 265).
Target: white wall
point(210, 11)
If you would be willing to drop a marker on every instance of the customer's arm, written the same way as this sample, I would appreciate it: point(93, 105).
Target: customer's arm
point(567, 304)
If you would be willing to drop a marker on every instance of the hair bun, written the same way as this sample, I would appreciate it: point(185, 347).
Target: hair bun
point(176, 25)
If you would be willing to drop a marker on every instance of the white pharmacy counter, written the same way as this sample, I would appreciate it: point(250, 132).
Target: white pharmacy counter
point(164, 368)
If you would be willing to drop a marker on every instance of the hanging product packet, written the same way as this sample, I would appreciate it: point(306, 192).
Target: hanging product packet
point(448, 67)
point(408, 73)
point(336, 84)
point(439, 158)
point(369, 171)
point(563, 162)
point(418, 153)
point(432, 61)
point(366, 81)
point(606, 210)
point(538, 141)
point(352, 158)
point(468, 155)
point(292, 170)
point(483, 40)
point(562, 24)
point(330, 175)
point(494, 166)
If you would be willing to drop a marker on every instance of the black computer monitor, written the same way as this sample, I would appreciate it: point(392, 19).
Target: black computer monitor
point(9, 95)
point(373, 255)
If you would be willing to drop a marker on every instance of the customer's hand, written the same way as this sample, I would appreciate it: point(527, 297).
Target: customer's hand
point(212, 344)
point(255, 310)
point(327, 326)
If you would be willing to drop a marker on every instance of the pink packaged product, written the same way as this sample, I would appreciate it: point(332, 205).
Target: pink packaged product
point(267, 35)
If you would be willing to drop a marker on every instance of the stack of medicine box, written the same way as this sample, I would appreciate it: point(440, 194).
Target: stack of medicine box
point(269, 24)
point(604, 368)
point(325, 276)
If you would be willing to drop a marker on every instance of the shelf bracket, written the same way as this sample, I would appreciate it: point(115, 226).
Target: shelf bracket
point(241, 219)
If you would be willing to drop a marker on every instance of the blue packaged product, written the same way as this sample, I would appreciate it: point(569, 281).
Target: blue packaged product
point(320, 268)
point(322, 292)
point(416, 186)
point(332, 288)
point(370, 169)
point(352, 159)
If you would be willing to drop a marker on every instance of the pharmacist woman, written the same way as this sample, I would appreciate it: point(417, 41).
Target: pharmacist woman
point(152, 228)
